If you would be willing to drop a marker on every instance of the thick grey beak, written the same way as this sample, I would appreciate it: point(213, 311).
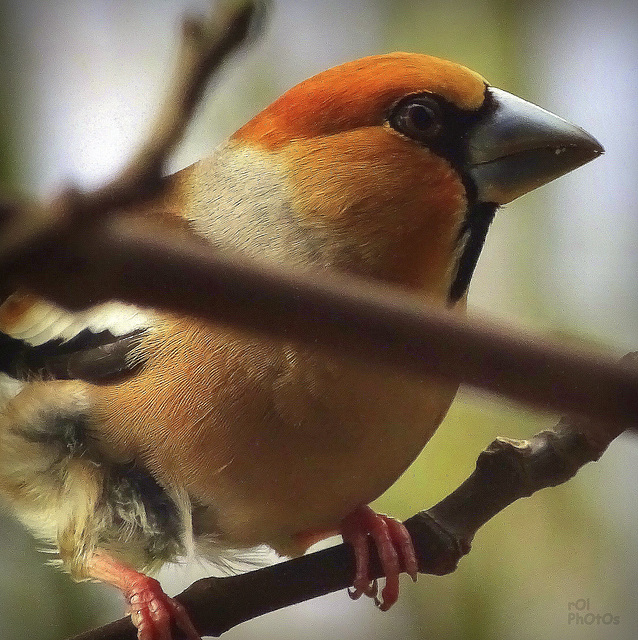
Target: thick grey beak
point(520, 146)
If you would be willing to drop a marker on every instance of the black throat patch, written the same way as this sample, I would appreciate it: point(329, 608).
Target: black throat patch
point(471, 238)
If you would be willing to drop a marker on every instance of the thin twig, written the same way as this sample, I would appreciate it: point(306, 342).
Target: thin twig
point(205, 44)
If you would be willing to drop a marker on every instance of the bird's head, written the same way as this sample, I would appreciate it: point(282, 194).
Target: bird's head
point(395, 164)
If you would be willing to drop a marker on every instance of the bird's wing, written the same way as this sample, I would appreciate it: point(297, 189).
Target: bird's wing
point(39, 340)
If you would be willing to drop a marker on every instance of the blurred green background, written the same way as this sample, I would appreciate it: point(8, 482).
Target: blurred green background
point(78, 83)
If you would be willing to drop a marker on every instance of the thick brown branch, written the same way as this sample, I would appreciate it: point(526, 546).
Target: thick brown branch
point(506, 471)
point(149, 267)
point(76, 252)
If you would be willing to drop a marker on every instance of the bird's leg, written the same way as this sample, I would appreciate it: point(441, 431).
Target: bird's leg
point(152, 611)
point(394, 545)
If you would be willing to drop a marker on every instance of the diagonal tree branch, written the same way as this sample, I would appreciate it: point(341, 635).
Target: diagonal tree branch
point(205, 45)
point(143, 264)
point(505, 471)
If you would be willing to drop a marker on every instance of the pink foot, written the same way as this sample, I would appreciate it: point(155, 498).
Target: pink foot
point(394, 545)
point(152, 612)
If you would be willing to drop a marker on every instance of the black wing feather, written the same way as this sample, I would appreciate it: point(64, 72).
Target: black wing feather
point(94, 357)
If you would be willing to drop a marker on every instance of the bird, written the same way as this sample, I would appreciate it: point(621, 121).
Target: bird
point(132, 437)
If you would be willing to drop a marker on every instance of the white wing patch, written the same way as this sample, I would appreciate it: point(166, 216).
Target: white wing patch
point(9, 389)
point(44, 321)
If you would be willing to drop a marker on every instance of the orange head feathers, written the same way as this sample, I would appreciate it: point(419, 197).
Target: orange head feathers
point(360, 94)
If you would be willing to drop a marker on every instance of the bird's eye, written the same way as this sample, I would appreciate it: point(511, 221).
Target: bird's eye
point(418, 118)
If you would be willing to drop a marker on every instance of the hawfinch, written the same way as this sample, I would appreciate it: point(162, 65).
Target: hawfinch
point(130, 438)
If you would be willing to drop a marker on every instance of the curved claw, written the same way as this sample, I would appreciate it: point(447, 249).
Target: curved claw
point(395, 549)
point(153, 612)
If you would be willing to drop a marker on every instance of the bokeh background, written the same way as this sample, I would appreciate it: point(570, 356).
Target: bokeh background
point(79, 80)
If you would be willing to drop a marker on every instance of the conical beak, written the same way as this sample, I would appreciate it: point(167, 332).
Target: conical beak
point(519, 146)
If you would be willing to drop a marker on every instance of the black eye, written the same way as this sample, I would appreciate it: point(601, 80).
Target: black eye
point(419, 118)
